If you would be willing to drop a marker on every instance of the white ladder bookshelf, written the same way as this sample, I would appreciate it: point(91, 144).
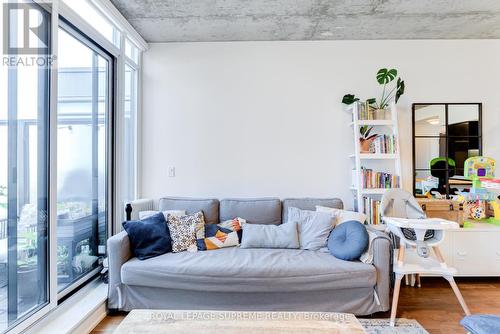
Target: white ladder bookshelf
point(388, 162)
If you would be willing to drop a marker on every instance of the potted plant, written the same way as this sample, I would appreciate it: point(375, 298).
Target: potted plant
point(390, 92)
point(365, 140)
point(63, 266)
point(385, 77)
point(27, 268)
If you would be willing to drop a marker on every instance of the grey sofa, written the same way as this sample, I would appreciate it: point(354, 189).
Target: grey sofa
point(246, 279)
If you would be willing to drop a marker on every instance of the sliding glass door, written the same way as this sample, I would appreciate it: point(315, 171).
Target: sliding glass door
point(24, 150)
point(83, 156)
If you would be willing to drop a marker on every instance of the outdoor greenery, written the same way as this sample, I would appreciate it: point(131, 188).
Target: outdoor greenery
point(3, 197)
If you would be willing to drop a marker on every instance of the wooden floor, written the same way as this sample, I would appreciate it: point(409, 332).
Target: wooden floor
point(434, 305)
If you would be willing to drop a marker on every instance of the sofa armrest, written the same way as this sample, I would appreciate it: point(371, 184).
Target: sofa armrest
point(382, 260)
point(118, 253)
point(137, 206)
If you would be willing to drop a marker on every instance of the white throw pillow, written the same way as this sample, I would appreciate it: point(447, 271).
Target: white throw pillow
point(149, 213)
point(313, 227)
point(270, 236)
point(342, 216)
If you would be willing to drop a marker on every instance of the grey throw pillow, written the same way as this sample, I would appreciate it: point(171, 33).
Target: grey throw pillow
point(270, 236)
point(314, 227)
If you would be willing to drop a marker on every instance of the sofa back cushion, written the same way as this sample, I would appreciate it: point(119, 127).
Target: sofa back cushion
point(253, 210)
point(310, 204)
point(209, 206)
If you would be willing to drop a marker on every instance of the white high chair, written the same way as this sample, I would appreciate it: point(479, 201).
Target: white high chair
point(417, 235)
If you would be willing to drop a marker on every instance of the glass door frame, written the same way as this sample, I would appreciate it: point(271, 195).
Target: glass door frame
point(110, 141)
point(25, 321)
point(53, 295)
point(57, 9)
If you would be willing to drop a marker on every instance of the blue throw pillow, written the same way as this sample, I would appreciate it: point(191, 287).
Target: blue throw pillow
point(348, 240)
point(149, 237)
point(481, 323)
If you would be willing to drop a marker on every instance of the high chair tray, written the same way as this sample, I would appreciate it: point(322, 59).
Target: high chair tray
point(427, 223)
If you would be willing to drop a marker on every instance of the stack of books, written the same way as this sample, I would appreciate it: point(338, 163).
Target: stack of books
point(371, 179)
point(372, 211)
point(385, 144)
point(365, 112)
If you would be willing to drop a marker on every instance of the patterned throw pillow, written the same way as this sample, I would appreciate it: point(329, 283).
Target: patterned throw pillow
point(225, 234)
point(185, 230)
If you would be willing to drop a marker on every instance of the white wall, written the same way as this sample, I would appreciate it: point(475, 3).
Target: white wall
point(250, 119)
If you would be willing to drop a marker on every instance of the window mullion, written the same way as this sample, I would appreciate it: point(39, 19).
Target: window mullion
point(52, 138)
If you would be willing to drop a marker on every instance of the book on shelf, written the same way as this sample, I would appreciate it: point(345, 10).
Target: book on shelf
point(384, 144)
point(367, 112)
point(372, 211)
point(371, 179)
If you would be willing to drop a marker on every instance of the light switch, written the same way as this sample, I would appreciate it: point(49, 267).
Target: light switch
point(171, 171)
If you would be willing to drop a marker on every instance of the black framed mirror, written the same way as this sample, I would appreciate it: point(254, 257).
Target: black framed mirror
point(444, 136)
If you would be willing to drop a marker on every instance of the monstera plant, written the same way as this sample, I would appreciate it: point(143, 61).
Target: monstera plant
point(393, 89)
point(385, 77)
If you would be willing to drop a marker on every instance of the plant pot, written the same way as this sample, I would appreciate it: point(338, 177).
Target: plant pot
point(380, 113)
point(28, 285)
point(364, 145)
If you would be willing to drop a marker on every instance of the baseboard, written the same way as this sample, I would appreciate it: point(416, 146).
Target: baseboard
point(92, 320)
point(80, 313)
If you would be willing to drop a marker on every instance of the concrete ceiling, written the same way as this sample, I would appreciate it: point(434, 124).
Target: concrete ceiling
point(269, 20)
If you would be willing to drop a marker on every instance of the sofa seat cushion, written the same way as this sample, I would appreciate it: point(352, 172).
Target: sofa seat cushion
point(249, 270)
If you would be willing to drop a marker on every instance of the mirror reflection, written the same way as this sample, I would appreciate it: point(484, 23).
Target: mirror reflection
point(444, 136)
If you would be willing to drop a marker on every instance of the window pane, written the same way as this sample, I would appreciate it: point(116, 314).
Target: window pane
point(131, 51)
point(129, 148)
point(24, 101)
point(88, 12)
point(430, 120)
point(82, 158)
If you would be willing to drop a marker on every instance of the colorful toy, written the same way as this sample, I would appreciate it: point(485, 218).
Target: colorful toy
point(496, 210)
point(481, 170)
point(476, 168)
point(475, 210)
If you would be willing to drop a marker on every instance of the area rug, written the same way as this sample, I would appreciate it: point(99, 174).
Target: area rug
point(403, 326)
point(231, 322)
point(234, 322)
